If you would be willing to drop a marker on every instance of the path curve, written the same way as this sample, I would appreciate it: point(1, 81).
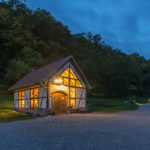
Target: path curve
point(126, 130)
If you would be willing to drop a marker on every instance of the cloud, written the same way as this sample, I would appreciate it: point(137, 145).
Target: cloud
point(122, 23)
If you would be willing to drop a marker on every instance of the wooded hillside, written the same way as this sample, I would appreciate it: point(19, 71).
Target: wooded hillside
point(30, 39)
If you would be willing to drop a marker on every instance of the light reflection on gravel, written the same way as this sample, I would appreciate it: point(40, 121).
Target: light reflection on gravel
point(126, 130)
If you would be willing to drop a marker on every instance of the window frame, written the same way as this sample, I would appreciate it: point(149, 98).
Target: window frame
point(75, 79)
point(73, 98)
point(22, 99)
point(34, 98)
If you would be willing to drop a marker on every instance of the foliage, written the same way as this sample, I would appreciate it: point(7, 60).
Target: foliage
point(16, 69)
point(114, 104)
point(30, 39)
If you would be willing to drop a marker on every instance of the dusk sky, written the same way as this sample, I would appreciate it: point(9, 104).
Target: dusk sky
point(124, 24)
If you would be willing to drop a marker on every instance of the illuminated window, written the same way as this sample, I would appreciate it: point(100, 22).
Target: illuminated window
point(19, 103)
point(36, 103)
point(21, 99)
point(65, 73)
point(61, 87)
point(78, 84)
point(36, 93)
point(72, 92)
point(73, 103)
point(34, 98)
point(68, 77)
point(72, 75)
point(22, 103)
point(66, 81)
point(31, 103)
point(58, 80)
point(72, 82)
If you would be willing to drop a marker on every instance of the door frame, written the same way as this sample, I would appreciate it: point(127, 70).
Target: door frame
point(66, 96)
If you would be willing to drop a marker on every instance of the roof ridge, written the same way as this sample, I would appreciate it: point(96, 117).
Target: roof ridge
point(43, 73)
point(53, 62)
point(40, 74)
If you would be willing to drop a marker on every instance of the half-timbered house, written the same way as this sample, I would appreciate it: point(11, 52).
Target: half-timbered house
point(59, 87)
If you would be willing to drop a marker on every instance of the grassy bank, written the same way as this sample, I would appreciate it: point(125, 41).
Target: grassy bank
point(114, 104)
point(6, 112)
point(95, 104)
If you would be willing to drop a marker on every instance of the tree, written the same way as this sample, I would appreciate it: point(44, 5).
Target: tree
point(16, 70)
point(30, 39)
point(31, 58)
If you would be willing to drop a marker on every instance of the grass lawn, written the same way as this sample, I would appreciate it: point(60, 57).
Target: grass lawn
point(6, 112)
point(114, 104)
point(95, 104)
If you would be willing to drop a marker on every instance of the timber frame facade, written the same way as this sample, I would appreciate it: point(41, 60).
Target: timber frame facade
point(61, 89)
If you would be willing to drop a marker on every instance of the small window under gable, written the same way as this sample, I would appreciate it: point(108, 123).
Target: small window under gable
point(69, 76)
point(72, 75)
point(65, 73)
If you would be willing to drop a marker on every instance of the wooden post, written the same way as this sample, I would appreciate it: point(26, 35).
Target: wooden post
point(69, 89)
point(48, 95)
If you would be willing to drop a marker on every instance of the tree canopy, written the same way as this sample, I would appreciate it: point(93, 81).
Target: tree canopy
point(30, 39)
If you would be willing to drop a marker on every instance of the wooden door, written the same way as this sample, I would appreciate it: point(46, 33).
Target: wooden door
point(59, 103)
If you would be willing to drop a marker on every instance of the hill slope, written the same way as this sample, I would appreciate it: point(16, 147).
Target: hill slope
point(30, 39)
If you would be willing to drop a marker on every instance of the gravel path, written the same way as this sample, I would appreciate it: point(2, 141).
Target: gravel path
point(126, 130)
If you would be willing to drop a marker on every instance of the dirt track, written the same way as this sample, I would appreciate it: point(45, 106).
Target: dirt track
point(127, 130)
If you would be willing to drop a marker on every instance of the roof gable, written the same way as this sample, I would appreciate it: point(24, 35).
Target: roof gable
point(44, 73)
point(66, 66)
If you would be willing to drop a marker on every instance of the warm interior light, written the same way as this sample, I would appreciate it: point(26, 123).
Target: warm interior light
point(61, 87)
point(58, 80)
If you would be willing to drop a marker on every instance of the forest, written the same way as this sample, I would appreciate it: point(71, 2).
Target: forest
point(30, 39)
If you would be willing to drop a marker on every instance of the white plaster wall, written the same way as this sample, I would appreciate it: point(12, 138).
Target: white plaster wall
point(80, 103)
point(43, 103)
point(49, 96)
point(43, 97)
point(27, 99)
point(15, 99)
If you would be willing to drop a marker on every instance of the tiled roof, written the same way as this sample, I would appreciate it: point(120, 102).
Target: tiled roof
point(42, 74)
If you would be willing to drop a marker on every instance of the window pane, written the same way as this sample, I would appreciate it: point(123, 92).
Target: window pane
point(66, 81)
point(19, 103)
point(34, 98)
point(36, 93)
point(72, 82)
point(36, 103)
point(31, 103)
point(65, 73)
point(19, 95)
point(22, 94)
point(72, 92)
point(58, 80)
point(73, 103)
point(22, 103)
point(32, 93)
point(78, 83)
point(72, 75)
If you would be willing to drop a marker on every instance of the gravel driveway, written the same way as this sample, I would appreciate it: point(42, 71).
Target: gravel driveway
point(126, 130)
